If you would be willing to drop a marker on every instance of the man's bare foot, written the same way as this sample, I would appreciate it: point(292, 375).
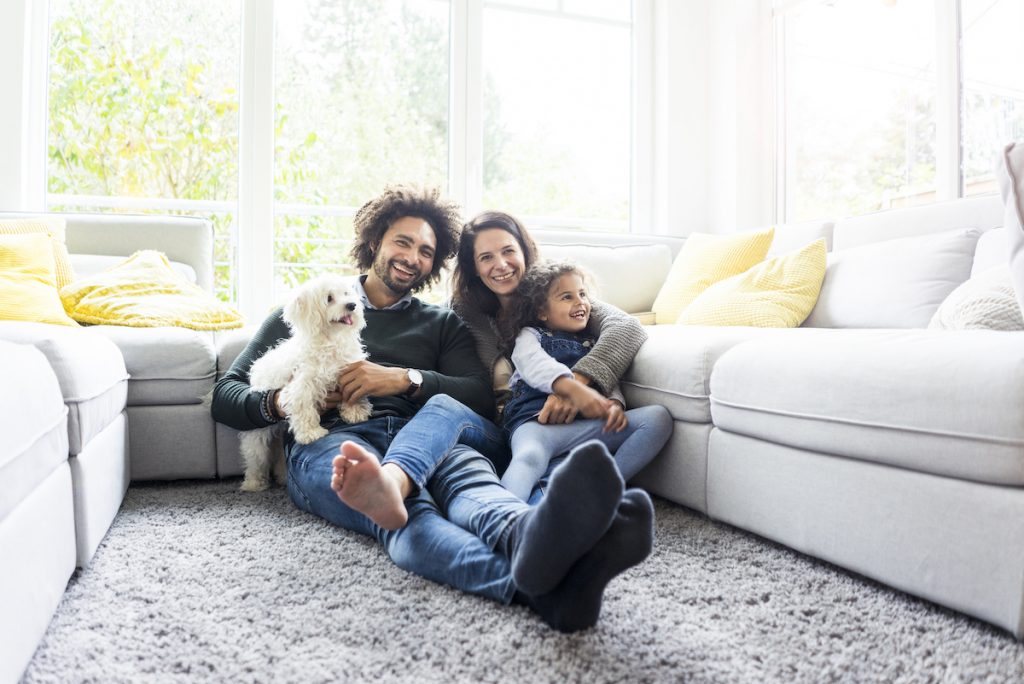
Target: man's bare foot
point(361, 483)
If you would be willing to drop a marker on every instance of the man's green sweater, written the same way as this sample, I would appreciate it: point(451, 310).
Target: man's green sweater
point(422, 336)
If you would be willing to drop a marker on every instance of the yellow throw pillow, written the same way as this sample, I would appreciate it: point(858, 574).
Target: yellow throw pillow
point(777, 293)
point(28, 288)
point(144, 291)
point(53, 227)
point(704, 260)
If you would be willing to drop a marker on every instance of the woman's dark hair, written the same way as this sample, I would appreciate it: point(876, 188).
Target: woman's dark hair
point(398, 201)
point(531, 297)
point(466, 284)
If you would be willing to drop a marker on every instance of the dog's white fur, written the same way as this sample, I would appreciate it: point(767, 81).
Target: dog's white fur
point(325, 317)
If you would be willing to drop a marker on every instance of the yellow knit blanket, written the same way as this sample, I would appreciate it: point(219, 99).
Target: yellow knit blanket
point(144, 291)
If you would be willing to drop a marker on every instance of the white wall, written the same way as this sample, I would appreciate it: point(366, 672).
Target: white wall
point(714, 116)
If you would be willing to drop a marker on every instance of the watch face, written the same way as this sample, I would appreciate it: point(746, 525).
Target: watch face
point(415, 377)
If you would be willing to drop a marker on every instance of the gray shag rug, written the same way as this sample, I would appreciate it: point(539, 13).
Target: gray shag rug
point(198, 582)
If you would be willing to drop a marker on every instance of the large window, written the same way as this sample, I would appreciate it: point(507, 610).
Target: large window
point(556, 114)
point(890, 103)
point(993, 85)
point(143, 111)
point(361, 90)
point(525, 106)
point(859, 106)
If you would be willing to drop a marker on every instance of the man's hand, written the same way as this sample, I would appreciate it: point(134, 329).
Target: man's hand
point(616, 420)
point(556, 411)
point(362, 379)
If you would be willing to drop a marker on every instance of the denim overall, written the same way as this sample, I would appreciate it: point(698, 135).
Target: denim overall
point(526, 402)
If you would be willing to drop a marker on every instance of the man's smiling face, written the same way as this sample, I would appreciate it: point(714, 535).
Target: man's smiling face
point(405, 255)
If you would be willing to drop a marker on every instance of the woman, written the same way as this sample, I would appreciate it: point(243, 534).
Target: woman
point(494, 252)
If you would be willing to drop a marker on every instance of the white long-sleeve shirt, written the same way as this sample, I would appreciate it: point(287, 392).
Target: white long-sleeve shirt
point(537, 368)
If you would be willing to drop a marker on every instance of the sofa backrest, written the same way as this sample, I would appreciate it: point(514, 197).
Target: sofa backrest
point(982, 213)
point(92, 238)
point(894, 269)
point(629, 268)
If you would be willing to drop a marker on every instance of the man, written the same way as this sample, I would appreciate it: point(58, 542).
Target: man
point(442, 514)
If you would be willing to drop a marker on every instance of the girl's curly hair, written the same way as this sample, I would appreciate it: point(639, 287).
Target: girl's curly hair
point(531, 297)
point(399, 201)
point(466, 284)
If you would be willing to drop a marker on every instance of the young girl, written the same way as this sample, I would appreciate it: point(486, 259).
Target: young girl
point(548, 324)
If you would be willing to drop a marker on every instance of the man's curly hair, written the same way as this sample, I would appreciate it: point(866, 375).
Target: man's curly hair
point(531, 297)
point(399, 201)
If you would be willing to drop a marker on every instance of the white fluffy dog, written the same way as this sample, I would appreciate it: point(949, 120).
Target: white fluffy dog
point(325, 317)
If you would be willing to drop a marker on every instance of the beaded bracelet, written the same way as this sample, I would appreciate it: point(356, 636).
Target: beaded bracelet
point(267, 407)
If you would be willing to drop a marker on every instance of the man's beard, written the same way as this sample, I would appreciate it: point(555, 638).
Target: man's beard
point(382, 269)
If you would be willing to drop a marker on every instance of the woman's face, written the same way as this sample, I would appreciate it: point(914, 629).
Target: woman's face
point(499, 261)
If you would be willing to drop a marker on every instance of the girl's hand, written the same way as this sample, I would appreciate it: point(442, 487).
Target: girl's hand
point(557, 411)
point(616, 421)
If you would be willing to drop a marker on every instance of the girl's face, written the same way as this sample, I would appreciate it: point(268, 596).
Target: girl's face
point(568, 306)
point(499, 261)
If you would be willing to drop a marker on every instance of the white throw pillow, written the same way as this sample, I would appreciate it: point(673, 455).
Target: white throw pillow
point(894, 283)
point(985, 302)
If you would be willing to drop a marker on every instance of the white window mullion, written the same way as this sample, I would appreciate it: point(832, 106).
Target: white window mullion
point(457, 100)
point(948, 150)
point(641, 199)
point(466, 126)
point(255, 224)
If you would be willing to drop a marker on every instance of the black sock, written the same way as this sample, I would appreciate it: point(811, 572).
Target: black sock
point(576, 511)
point(575, 603)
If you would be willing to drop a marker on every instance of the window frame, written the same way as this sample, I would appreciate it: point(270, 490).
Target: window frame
point(256, 208)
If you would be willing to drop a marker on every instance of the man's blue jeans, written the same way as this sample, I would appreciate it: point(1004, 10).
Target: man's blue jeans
point(455, 522)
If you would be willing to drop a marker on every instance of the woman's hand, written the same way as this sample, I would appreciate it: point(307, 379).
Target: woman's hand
point(591, 403)
point(616, 420)
point(557, 411)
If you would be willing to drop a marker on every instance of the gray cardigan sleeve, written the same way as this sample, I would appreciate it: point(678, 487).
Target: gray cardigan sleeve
point(619, 338)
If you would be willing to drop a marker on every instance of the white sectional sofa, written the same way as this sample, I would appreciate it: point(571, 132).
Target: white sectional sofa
point(860, 438)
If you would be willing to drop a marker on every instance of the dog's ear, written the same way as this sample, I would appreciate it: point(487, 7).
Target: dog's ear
point(304, 311)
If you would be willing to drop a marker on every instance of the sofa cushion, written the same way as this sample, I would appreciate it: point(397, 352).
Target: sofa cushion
point(673, 367)
point(607, 263)
point(53, 228)
point(35, 423)
point(776, 293)
point(895, 283)
point(941, 402)
point(89, 368)
point(991, 251)
point(167, 365)
point(985, 302)
point(704, 260)
point(28, 286)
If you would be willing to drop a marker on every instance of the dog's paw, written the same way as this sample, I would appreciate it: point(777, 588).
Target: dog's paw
point(355, 413)
point(307, 436)
point(255, 483)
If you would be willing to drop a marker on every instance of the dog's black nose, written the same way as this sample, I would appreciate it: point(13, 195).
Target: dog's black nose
point(351, 306)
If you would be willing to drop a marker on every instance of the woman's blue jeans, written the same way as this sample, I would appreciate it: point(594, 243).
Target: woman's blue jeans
point(460, 515)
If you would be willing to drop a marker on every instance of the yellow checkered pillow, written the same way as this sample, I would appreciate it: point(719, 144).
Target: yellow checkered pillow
point(777, 293)
point(53, 227)
point(704, 260)
point(28, 288)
